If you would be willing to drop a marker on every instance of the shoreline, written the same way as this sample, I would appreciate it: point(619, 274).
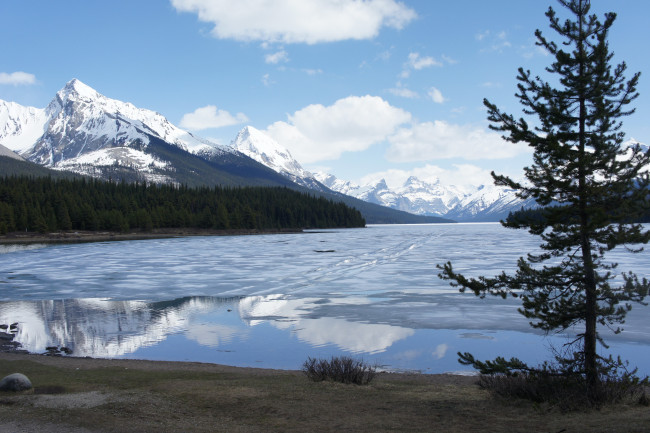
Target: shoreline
point(83, 236)
point(88, 362)
point(85, 395)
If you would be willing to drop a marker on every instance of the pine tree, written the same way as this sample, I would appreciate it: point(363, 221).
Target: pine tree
point(591, 186)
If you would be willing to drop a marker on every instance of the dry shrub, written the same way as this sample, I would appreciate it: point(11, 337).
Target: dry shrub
point(339, 369)
point(567, 393)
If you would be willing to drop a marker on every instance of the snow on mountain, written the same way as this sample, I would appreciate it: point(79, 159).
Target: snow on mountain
point(429, 198)
point(147, 165)
point(21, 126)
point(488, 203)
point(332, 182)
point(79, 120)
point(255, 144)
point(483, 203)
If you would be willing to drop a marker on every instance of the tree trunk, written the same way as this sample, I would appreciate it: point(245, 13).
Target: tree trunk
point(591, 304)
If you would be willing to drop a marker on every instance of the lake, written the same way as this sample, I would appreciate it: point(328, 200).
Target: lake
point(273, 300)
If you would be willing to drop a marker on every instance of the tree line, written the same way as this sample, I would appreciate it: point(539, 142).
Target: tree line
point(45, 204)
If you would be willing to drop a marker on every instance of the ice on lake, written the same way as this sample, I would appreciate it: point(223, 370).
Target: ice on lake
point(272, 300)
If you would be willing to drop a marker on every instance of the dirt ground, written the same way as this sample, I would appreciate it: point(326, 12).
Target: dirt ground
point(82, 395)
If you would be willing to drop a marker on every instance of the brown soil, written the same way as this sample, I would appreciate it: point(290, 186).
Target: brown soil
point(95, 395)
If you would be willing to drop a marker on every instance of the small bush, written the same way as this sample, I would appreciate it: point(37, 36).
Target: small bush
point(339, 369)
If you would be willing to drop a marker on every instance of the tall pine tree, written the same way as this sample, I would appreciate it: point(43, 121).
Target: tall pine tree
point(592, 189)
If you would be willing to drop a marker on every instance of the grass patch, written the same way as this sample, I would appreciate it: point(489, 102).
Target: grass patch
point(151, 397)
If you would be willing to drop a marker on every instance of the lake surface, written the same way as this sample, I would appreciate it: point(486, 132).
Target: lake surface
point(273, 300)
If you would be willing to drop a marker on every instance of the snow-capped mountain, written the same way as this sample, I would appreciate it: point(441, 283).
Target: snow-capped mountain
point(482, 203)
point(257, 145)
point(85, 132)
point(81, 128)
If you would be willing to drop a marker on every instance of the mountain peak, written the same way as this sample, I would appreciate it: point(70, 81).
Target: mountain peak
point(75, 86)
point(264, 149)
point(381, 184)
point(251, 134)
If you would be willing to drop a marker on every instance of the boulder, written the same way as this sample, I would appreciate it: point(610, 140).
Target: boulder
point(15, 382)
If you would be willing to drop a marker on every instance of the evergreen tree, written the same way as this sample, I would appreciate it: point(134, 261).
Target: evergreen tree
point(591, 186)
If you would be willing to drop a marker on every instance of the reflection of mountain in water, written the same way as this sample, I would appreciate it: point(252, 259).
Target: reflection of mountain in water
point(109, 329)
point(101, 327)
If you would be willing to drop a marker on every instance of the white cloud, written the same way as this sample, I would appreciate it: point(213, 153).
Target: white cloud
point(291, 21)
point(312, 71)
point(210, 117)
point(416, 63)
point(449, 60)
point(17, 78)
point(319, 133)
point(491, 84)
point(436, 96)
point(497, 43)
point(277, 57)
point(440, 139)
point(404, 92)
point(481, 36)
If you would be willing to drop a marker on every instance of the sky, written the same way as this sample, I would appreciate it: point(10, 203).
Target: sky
point(362, 89)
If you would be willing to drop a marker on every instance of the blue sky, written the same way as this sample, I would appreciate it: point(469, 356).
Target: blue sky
point(359, 88)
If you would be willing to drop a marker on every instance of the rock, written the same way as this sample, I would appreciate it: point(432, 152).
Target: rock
point(15, 382)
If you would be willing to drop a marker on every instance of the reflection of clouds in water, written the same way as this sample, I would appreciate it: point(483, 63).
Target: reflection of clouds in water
point(441, 351)
point(409, 354)
point(476, 336)
point(213, 335)
point(352, 336)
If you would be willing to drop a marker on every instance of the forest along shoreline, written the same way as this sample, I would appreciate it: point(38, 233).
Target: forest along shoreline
point(83, 236)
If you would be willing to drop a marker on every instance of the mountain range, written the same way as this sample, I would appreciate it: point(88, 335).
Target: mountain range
point(84, 132)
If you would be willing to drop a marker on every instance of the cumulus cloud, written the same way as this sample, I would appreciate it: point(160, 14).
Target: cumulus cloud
point(210, 117)
point(17, 78)
point(440, 139)
point(319, 133)
point(290, 21)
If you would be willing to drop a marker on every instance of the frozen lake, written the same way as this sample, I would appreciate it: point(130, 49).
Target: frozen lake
point(273, 300)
